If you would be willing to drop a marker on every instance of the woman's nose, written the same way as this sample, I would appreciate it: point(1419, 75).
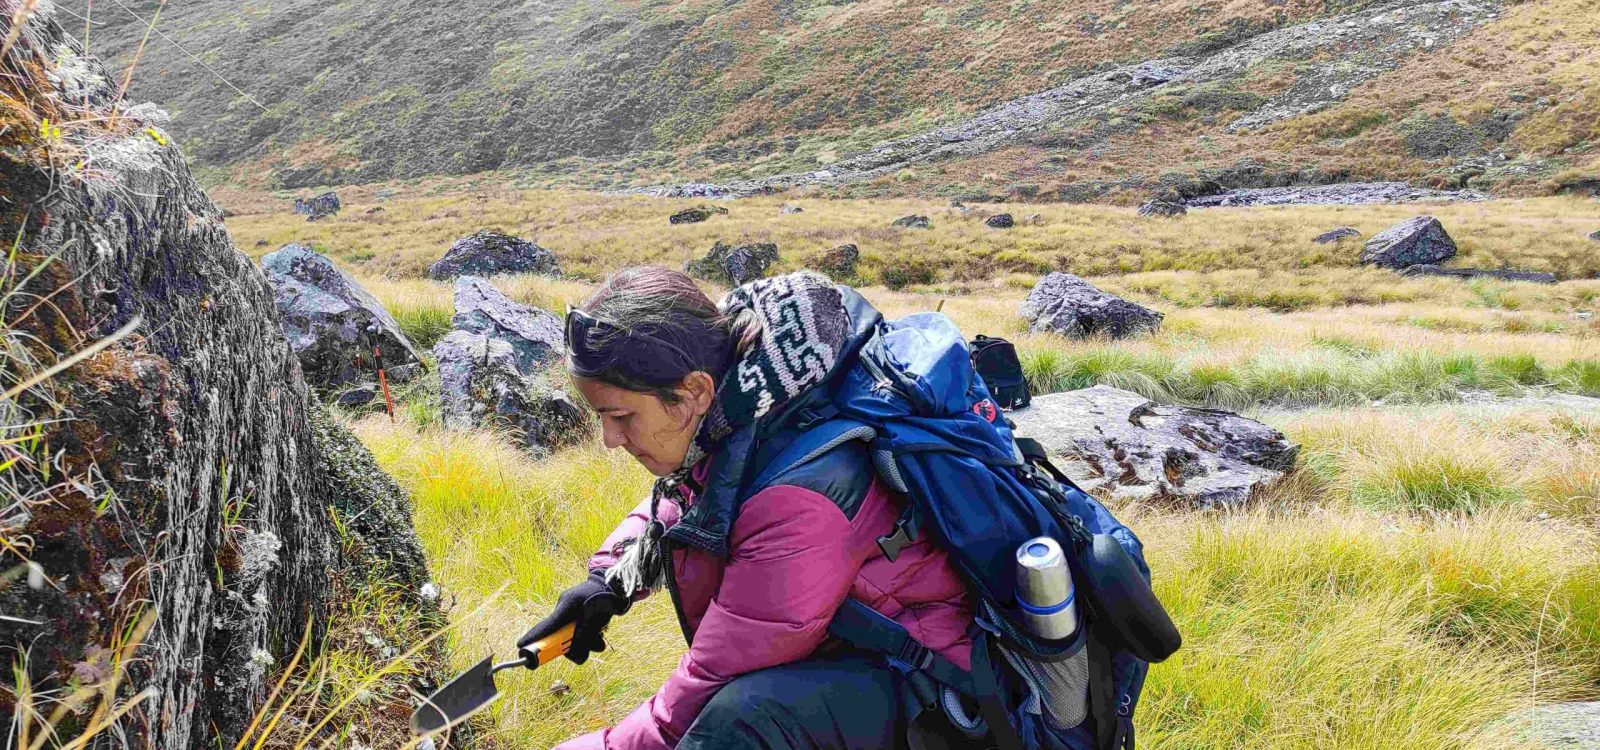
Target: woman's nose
point(613, 438)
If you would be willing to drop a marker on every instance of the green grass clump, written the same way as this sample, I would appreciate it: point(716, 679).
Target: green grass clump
point(424, 325)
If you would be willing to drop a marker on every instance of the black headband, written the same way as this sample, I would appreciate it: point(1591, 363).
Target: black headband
point(653, 354)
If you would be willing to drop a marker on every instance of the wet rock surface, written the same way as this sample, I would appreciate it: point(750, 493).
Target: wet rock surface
point(840, 262)
point(1121, 443)
point(1335, 235)
point(696, 215)
point(912, 222)
point(1420, 240)
point(535, 336)
point(481, 384)
point(1425, 269)
point(1067, 305)
point(1343, 194)
point(188, 472)
point(488, 252)
point(734, 264)
point(326, 316)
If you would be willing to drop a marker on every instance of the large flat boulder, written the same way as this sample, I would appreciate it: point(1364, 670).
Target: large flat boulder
point(696, 214)
point(326, 316)
point(1420, 240)
point(481, 385)
point(1066, 304)
point(535, 336)
point(734, 265)
point(1122, 443)
point(487, 252)
point(318, 206)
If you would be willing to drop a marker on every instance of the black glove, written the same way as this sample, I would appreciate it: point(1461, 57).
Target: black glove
point(590, 605)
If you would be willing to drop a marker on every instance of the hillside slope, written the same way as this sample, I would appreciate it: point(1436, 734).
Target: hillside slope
point(614, 94)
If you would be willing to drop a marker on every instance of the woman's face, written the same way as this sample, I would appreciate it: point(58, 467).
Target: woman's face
point(653, 431)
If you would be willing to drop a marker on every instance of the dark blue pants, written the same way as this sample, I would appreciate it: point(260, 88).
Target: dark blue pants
point(819, 704)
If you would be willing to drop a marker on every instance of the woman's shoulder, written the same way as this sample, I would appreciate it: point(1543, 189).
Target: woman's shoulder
point(843, 474)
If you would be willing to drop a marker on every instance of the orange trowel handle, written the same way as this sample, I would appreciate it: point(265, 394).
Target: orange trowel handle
point(545, 650)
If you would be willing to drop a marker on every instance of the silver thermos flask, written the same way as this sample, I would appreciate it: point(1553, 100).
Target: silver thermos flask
point(1044, 589)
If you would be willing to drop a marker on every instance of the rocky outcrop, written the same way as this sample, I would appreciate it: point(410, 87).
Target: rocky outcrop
point(1420, 240)
point(488, 252)
point(1569, 726)
point(1342, 194)
point(734, 264)
point(1000, 221)
point(481, 384)
point(318, 207)
point(1335, 235)
point(912, 222)
point(535, 336)
point(328, 317)
point(179, 475)
point(1123, 444)
point(1066, 304)
point(1166, 209)
point(840, 262)
point(1534, 277)
point(696, 215)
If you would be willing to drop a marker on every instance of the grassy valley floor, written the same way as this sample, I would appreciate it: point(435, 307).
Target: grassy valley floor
point(1432, 567)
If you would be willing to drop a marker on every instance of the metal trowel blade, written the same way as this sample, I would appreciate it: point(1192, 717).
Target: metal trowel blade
point(462, 697)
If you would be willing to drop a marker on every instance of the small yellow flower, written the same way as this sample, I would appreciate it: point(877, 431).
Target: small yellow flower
point(50, 133)
point(156, 135)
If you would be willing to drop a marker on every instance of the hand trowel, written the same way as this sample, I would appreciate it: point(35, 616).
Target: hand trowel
point(474, 690)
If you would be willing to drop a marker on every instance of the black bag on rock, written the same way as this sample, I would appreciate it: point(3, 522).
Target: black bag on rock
point(996, 361)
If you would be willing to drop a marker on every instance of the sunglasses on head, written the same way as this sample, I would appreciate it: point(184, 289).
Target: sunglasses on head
point(636, 353)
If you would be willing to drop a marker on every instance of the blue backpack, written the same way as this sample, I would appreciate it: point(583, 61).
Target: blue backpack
point(936, 436)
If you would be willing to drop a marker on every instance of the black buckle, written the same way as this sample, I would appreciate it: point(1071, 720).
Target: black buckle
point(914, 654)
point(893, 543)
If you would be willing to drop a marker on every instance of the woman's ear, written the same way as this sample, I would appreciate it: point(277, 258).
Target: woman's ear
point(699, 391)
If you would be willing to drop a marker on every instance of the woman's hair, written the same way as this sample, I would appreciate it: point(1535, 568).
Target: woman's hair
point(666, 304)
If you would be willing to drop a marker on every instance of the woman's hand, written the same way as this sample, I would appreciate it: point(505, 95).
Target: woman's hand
point(590, 605)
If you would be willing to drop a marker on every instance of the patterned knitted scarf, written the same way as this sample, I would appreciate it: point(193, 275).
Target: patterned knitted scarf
point(803, 327)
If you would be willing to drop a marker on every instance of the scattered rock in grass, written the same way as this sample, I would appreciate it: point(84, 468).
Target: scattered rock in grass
point(1419, 240)
point(488, 252)
point(1000, 221)
point(791, 209)
point(534, 334)
point(1594, 236)
point(261, 243)
point(913, 222)
point(1335, 235)
point(1067, 305)
point(840, 262)
point(695, 215)
point(1571, 726)
point(734, 265)
point(1166, 209)
point(956, 203)
point(318, 207)
point(326, 314)
point(1035, 219)
point(360, 395)
point(375, 210)
point(1124, 444)
point(1426, 269)
point(481, 384)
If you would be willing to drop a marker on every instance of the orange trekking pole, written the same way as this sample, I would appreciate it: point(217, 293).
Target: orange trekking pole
point(377, 361)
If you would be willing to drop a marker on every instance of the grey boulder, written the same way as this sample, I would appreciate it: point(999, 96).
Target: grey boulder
point(1000, 221)
point(913, 222)
point(1164, 209)
point(318, 207)
point(325, 317)
point(1123, 444)
point(1067, 305)
point(1426, 269)
point(695, 215)
point(488, 252)
point(734, 264)
point(481, 385)
point(535, 336)
point(1594, 236)
point(1335, 235)
point(1411, 242)
point(791, 209)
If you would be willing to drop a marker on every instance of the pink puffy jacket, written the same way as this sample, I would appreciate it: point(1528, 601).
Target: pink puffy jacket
point(796, 550)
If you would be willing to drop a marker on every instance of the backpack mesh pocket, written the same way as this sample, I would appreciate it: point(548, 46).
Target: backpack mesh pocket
point(1057, 690)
